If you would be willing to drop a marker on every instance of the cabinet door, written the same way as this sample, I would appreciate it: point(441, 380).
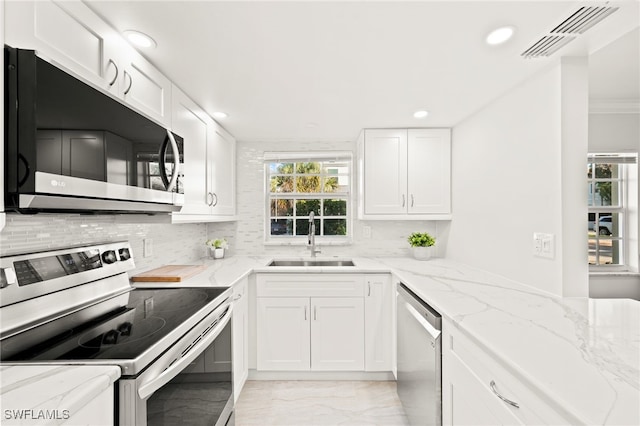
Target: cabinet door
point(337, 334)
point(222, 160)
point(144, 87)
point(378, 323)
point(240, 337)
point(68, 34)
point(429, 171)
point(283, 333)
point(190, 122)
point(385, 171)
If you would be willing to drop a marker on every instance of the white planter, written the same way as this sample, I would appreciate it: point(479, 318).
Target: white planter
point(216, 253)
point(422, 253)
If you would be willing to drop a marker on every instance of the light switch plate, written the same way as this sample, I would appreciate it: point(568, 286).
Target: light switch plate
point(544, 245)
point(147, 247)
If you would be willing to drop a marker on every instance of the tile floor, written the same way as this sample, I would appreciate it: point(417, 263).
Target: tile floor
point(304, 403)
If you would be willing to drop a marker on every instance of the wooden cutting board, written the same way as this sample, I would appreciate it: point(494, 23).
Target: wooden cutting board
point(169, 273)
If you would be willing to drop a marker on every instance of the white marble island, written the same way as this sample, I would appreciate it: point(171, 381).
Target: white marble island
point(57, 394)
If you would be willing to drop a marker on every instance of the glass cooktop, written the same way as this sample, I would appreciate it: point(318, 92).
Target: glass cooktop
point(119, 328)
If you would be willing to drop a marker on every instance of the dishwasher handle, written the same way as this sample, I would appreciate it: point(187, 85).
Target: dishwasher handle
point(433, 332)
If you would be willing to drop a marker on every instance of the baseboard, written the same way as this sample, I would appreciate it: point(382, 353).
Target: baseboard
point(321, 375)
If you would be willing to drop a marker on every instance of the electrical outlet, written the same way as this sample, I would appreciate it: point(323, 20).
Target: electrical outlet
point(147, 247)
point(366, 231)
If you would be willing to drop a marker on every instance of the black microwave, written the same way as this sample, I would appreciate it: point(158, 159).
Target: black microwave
point(72, 148)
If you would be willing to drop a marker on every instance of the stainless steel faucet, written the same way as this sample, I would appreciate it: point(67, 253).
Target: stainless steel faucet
point(312, 236)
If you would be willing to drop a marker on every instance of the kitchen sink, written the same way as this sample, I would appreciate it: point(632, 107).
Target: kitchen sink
point(311, 262)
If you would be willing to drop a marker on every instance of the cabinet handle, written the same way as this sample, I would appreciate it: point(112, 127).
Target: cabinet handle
point(411, 200)
point(130, 82)
point(214, 199)
point(305, 313)
point(369, 284)
point(315, 313)
point(508, 401)
point(112, 82)
point(403, 200)
point(238, 297)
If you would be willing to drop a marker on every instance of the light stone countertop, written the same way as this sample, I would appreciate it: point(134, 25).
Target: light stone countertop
point(50, 394)
point(582, 356)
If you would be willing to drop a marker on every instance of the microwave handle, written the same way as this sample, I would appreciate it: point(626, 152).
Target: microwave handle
point(169, 184)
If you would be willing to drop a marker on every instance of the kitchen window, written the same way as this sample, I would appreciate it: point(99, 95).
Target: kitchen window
point(612, 200)
point(300, 183)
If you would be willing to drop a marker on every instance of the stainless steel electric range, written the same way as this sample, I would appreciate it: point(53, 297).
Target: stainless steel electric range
point(76, 306)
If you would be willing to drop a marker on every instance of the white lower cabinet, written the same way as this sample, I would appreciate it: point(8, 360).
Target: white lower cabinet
point(323, 322)
point(477, 390)
point(240, 339)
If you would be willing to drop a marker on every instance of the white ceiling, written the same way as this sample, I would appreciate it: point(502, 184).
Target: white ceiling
point(316, 70)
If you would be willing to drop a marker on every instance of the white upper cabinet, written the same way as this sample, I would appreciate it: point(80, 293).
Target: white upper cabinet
point(73, 37)
point(222, 175)
point(405, 174)
point(209, 164)
point(190, 122)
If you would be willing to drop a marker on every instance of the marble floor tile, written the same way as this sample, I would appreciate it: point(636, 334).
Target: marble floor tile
point(306, 403)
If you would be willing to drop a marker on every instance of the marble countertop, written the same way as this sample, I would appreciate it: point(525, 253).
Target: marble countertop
point(580, 355)
point(48, 394)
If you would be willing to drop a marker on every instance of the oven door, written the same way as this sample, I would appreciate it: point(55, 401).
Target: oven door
point(191, 383)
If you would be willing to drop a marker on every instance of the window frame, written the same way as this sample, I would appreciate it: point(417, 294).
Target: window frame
point(298, 157)
point(621, 208)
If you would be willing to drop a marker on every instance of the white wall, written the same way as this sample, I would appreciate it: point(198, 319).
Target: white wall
point(507, 184)
point(614, 132)
point(388, 238)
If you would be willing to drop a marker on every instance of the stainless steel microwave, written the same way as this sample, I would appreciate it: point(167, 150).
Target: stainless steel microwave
point(70, 147)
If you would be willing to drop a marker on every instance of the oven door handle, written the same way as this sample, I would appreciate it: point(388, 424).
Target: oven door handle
point(148, 387)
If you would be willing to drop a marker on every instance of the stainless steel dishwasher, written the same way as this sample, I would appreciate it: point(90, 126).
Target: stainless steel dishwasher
point(419, 359)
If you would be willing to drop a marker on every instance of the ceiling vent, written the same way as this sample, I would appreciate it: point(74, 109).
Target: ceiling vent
point(576, 24)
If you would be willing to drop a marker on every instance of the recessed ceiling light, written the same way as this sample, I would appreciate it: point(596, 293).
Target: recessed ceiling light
point(220, 114)
point(140, 39)
point(500, 35)
point(420, 114)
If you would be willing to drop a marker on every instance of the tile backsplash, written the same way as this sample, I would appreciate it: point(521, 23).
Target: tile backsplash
point(171, 244)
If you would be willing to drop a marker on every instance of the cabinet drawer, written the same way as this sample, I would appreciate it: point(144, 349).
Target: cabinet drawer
point(532, 408)
point(310, 285)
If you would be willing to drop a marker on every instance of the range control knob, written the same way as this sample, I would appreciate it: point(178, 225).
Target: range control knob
point(109, 257)
point(124, 254)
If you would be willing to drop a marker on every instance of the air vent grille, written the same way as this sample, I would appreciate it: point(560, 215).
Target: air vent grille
point(546, 46)
point(583, 19)
point(576, 24)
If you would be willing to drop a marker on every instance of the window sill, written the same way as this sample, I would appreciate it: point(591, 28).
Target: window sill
point(614, 274)
point(304, 242)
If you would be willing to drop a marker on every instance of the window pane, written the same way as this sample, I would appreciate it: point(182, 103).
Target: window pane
point(335, 227)
point(335, 167)
point(281, 207)
point(609, 251)
point(305, 207)
point(607, 171)
point(281, 227)
point(281, 168)
point(154, 169)
point(156, 183)
point(331, 184)
point(308, 168)
point(605, 194)
point(609, 225)
point(308, 184)
point(281, 184)
point(302, 226)
point(335, 207)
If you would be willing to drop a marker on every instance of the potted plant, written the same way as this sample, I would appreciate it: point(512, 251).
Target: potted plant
point(421, 244)
point(217, 247)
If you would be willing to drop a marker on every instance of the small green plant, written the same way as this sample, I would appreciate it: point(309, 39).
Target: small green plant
point(421, 239)
point(218, 243)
